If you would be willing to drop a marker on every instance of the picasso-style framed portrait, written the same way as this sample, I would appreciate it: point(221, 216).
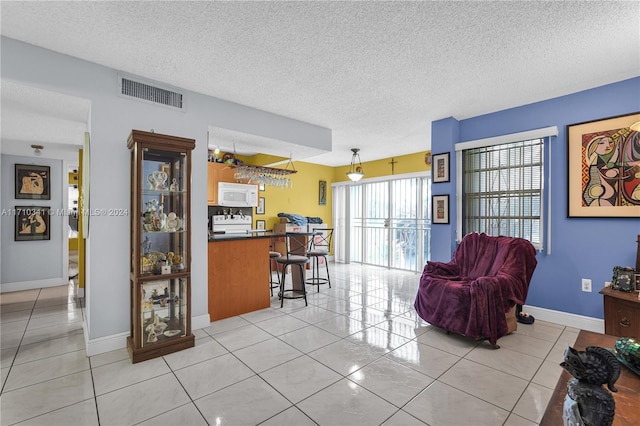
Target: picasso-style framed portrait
point(32, 223)
point(604, 168)
point(32, 182)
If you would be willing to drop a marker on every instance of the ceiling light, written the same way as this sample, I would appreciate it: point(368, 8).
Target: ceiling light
point(355, 172)
point(635, 126)
point(37, 149)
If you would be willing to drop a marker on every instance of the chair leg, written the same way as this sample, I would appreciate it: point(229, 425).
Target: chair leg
point(304, 288)
point(326, 264)
point(284, 276)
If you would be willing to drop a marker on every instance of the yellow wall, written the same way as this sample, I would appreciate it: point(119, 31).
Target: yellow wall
point(410, 163)
point(302, 198)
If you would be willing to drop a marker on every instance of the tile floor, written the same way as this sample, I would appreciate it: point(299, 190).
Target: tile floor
point(357, 355)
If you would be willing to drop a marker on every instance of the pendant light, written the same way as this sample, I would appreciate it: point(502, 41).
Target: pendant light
point(355, 172)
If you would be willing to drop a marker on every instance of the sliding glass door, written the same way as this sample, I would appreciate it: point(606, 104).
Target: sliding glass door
point(389, 223)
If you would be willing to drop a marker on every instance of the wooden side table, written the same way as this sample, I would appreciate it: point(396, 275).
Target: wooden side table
point(621, 313)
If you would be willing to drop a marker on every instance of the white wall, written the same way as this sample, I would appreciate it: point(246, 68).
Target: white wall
point(112, 119)
point(32, 263)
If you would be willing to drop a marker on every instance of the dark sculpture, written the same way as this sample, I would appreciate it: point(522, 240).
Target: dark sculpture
point(587, 403)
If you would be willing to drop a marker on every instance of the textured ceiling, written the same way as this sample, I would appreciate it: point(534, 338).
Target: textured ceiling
point(376, 73)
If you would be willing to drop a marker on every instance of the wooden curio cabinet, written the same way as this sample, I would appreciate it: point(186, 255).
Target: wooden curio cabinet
point(160, 273)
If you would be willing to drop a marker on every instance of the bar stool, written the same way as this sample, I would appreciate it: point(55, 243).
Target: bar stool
point(273, 256)
point(296, 256)
point(320, 247)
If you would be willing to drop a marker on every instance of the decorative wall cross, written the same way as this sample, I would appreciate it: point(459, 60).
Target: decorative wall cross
point(393, 163)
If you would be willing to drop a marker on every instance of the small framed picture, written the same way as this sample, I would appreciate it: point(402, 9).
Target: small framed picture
point(440, 209)
point(260, 224)
point(322, 193)
point(32, 223)
point(260, 207)
point(440, 167)
point(32, 182)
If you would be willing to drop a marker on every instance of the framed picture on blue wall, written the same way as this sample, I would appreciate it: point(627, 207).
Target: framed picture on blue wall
point(440, 209)
point(440, 168)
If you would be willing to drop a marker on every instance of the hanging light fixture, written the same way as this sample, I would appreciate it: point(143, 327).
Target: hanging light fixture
point(355, 172)
point(37, 149)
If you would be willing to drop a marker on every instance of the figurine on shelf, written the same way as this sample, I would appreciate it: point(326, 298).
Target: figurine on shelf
point(587, 402)
point(157, 180)
point(146, 245)
point(174, 185)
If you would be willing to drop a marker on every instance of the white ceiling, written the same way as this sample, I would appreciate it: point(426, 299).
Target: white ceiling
point(376, 73)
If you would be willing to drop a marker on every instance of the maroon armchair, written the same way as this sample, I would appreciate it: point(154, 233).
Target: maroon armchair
point(472, 294)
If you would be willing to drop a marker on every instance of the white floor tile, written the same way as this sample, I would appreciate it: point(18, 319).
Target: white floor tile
point(300, 378)
point(346, 403)
point(141, 401)
point(441, 404)
point(248, 402)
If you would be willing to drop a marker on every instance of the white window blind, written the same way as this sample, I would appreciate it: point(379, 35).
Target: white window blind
point(500, 185)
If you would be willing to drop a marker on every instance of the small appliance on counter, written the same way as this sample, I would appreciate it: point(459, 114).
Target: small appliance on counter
point(231, 224)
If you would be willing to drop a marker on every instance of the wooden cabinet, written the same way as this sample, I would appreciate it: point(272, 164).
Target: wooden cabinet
point(621, 313)
point(160, 273)
point(218, 172)
point(238, 277)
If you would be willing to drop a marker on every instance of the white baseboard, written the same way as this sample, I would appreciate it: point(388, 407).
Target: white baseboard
point(201, 321)
point(119, 341)
point(31, 285)
point(104, 344)
point(565, 318)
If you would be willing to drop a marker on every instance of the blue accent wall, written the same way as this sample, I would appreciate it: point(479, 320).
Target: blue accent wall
point(580, 247)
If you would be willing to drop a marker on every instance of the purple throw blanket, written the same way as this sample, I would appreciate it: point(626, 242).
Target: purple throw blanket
point(471, 294)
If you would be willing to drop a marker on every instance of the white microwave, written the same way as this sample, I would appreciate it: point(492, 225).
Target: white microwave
point(237, 195)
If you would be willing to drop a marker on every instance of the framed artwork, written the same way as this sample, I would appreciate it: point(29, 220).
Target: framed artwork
point(322, 193)
point(260, 224)
point(32, 223)
point(440, 167)
point(440, 209)
point(260, 207)
point(604, 168)
point(32, 182)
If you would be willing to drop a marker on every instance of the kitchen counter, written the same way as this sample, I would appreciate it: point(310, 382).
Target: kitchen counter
point(241, 236)
point(238, 274)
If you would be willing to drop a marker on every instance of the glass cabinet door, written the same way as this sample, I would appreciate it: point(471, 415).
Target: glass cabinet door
point(164, 310)
point(163, 206)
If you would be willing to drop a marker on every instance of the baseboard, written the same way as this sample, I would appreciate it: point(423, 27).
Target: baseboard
point(31, 285)
point(104, 344)
point(201, 321)
point(565, 318)
point(119, 341)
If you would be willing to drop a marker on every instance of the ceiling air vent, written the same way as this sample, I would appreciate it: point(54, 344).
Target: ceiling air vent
point(151, 93)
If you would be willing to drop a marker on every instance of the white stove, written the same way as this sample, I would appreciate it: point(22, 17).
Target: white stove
point(231, 224)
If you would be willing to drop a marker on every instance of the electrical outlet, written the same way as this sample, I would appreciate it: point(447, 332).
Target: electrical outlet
point(586, 285)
